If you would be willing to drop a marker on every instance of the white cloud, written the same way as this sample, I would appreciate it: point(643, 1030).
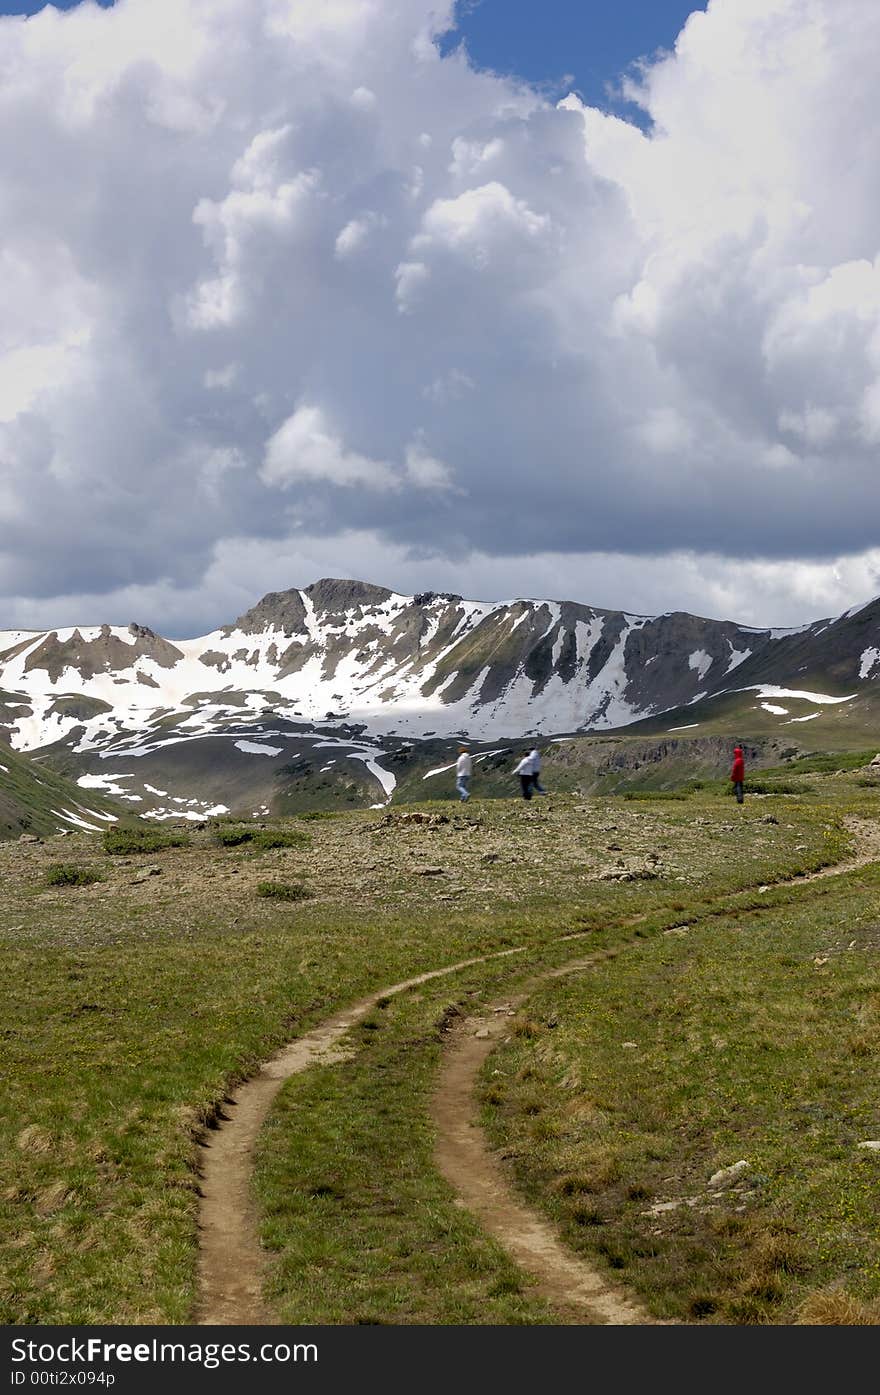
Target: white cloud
point(479, 220)
point(426, 471)
point(307, 447)
point(276, 269)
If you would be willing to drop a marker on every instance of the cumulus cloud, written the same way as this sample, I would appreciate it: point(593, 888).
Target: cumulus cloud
point(307, 447)
point(276, 275)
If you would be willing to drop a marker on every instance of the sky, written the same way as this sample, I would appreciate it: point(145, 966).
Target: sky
point(563, 299)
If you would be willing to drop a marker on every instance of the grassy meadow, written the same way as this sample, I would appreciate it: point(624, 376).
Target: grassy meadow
point(150, 975)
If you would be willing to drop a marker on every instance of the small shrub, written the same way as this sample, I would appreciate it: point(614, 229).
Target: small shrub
point(284, 891)
point(772, 787)
point(584, 1214)
point(637, 1191)
point(655, 794)
point(831, 1308)
point(312, 814)
point(233, 837)
point(525, 1026)
point(123, 841)
point(262, 838)
point(280, 838)
point(703, 1305)
point(67, 874)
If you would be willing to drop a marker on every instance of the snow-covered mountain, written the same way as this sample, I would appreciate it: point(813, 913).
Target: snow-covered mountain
point(342, 672)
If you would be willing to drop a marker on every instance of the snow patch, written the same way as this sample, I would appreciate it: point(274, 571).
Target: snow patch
point(75, 819)
point(109, 785)
point(700, 662)
point(869, 662)
point(769, 690)
point(255, 749)
point(737, 657)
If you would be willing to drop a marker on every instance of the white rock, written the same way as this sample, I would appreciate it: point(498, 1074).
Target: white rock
point(872, 1143)
point(726, 1176)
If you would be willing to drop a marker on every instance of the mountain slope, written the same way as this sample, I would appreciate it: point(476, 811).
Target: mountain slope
point(307, 695)
point(34, 799)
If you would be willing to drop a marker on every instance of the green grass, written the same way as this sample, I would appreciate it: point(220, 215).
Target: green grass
point(773, 787)
point(825, 762)
point(128, 1014)
point(32, 794)
point(598, 1131)
point(358, 1225)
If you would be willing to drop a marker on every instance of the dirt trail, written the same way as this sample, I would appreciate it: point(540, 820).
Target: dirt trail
point(867, 838)
point(466, 1161)
point(231, 1261)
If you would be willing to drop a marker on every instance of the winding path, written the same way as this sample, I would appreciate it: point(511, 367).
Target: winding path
point(231, 1260)
point(469, 1165)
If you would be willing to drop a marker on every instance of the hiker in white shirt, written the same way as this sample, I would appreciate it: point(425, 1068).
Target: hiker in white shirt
point(525, 773)
point(464, 768)
point(535, 758)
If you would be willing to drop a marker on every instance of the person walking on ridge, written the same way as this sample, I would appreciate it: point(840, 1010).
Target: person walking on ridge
point(738, 773)
point(526, 775)
point(464, 768)
point(535, 757)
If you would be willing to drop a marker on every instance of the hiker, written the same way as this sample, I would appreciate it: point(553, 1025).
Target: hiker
point(738, 773)
point(535, 757)
point(464, 768)
point(526, 775)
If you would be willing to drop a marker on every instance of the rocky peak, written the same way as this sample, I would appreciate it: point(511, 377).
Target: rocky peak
point(332, 594)
point(279, 610)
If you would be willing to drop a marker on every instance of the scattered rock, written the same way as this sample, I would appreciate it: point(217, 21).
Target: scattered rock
point(29, 838)
point(820, 959)
point(146, 873)
point(489, 857)
point(676, 930)
point(872, 1144)
point(630, 1045)
point(726, 1176)
point(429, 872)
point(763, 888)
point(624, 874)
point(416, 817)
point(769, 818)
point(482, 1034)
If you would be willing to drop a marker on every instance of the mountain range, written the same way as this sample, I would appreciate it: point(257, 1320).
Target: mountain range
point(345, 692)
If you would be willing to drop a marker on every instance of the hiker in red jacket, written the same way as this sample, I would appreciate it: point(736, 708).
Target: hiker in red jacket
point(738, 773)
